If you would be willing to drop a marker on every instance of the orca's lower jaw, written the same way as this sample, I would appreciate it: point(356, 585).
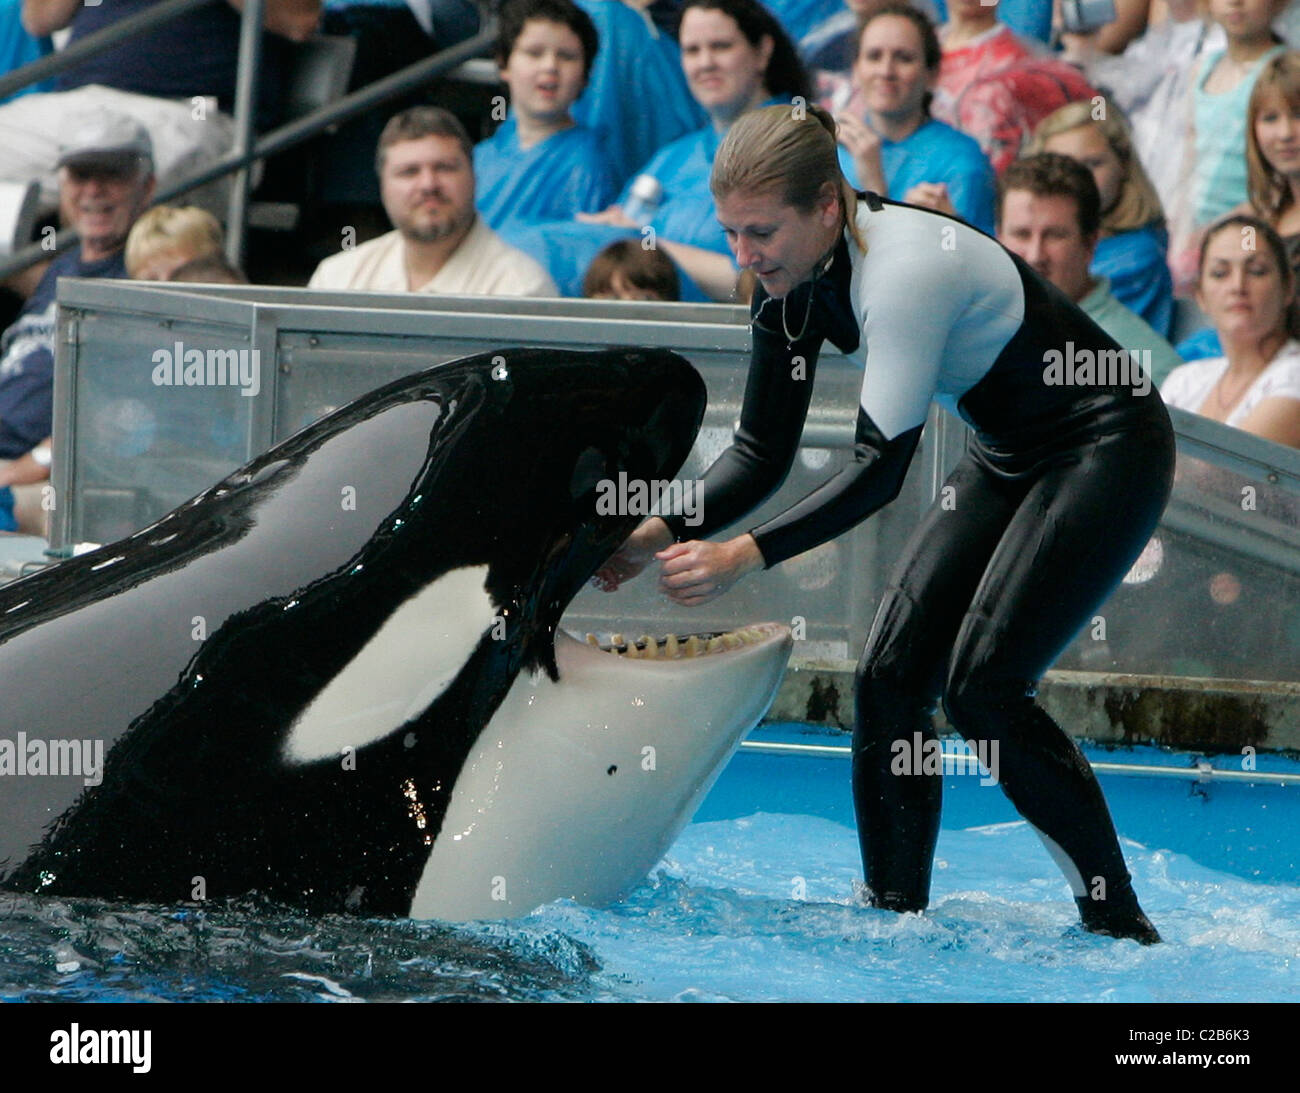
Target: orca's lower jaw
point(674, 647)
point(577, 787)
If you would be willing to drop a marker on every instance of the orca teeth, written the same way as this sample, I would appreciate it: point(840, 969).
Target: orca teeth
point(672, 647)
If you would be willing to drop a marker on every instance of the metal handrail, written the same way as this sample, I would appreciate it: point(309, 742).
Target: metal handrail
point(247, 81)
point(348, 107)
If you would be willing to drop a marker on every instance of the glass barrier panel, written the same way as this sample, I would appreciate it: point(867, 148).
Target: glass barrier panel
point(1216, 593)
point(146, 439)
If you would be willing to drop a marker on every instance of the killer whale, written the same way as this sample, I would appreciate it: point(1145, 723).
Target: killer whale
point(334, 678)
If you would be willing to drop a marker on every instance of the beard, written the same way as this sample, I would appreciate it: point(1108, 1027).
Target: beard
point(454, 224)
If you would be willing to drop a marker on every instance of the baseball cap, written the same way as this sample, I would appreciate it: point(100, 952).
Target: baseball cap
point(105, 137)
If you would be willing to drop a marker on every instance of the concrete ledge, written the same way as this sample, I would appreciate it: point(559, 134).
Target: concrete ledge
point(1208, 715)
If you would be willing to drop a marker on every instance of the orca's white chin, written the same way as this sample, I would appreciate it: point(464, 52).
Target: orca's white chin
point(576, 788)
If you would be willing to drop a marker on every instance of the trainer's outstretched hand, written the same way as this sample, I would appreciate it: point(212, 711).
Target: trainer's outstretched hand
point(697, 572)
point(637, 552)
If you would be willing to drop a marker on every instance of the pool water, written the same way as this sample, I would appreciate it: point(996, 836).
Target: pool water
point(755, 902)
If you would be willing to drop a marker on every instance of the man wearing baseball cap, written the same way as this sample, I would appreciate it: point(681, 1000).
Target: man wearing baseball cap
point(106, 180)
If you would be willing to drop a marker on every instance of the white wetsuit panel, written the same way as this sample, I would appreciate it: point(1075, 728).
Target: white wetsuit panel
point(937, 302)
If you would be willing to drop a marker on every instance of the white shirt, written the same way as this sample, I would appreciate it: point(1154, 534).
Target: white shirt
point(483, 265)
point(1188, 387)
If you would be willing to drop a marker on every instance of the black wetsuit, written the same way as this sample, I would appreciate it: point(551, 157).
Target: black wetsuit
point(1061, 487)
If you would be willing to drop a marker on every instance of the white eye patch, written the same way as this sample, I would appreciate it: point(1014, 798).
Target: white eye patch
point(407, 663)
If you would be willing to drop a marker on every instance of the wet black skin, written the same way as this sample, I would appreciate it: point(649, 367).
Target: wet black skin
point(191, 654)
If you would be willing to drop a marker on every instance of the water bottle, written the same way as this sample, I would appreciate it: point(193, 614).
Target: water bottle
point(643, 201)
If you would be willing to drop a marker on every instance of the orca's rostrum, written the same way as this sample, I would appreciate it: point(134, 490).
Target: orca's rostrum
point(335, 678)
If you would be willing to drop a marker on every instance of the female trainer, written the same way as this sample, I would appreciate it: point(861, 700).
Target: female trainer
point(1061, 487)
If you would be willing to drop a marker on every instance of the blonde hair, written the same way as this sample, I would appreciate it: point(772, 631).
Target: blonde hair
point(787, 149)
point(172, 228)
point(1138, 204)
point(1266, 186)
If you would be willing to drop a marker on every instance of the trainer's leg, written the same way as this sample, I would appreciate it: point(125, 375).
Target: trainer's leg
point(1075, 535)
point(899, 678)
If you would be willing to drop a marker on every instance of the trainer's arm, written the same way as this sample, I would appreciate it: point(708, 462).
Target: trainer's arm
point(696, 572)
point(916, 294)
point(777, 394)
point(847, 498)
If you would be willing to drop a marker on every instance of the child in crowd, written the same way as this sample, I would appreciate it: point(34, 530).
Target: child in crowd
point(540, 165)
point(996, 86)
point(735, 57)
point(212, 269)
point(1221, 90)
point(1273, 150)
point(625, 270)
point(166, 237)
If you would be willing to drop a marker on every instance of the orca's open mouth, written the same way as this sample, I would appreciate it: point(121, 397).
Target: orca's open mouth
point(678, 647)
